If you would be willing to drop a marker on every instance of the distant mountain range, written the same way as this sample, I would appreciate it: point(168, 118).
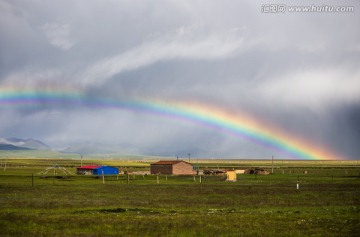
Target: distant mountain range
point(96, 148)
point(87, 149)
point(90, 148)
point(22, 144)
point(8, 147)
point(15, 144)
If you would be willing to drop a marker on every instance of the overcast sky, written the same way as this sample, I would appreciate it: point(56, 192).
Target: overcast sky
point(297, 71)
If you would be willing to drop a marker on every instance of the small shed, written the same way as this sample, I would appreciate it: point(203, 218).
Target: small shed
point(231, 175)
point(240, 171)
point(176, 167)
point(106, 170)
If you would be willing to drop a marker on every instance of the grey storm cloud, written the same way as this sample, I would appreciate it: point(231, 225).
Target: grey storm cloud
point(297, 71)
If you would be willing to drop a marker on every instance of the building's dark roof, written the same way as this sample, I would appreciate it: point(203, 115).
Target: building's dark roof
point(169, 162)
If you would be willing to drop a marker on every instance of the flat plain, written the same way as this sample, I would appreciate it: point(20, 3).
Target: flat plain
point(327, 202)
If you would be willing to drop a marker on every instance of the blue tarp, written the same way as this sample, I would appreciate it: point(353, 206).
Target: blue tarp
point(106, 170)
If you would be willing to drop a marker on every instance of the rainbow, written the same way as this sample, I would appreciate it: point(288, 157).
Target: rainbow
point(238, 124)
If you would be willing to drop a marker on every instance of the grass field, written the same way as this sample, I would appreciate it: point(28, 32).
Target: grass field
point(326, 204)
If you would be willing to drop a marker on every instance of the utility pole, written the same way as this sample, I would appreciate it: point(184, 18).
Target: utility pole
point(272, 164)
point(189, 156)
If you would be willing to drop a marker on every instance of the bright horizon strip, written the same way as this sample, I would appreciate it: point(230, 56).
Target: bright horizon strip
point(237, 124)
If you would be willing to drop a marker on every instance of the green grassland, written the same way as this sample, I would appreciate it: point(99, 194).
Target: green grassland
point(327, 202)
point(49, 154)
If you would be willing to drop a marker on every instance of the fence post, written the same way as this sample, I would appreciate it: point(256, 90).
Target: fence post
point(103, 178)
point(32, 180)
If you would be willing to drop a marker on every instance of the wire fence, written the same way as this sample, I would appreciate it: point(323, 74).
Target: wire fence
point(278, 176)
